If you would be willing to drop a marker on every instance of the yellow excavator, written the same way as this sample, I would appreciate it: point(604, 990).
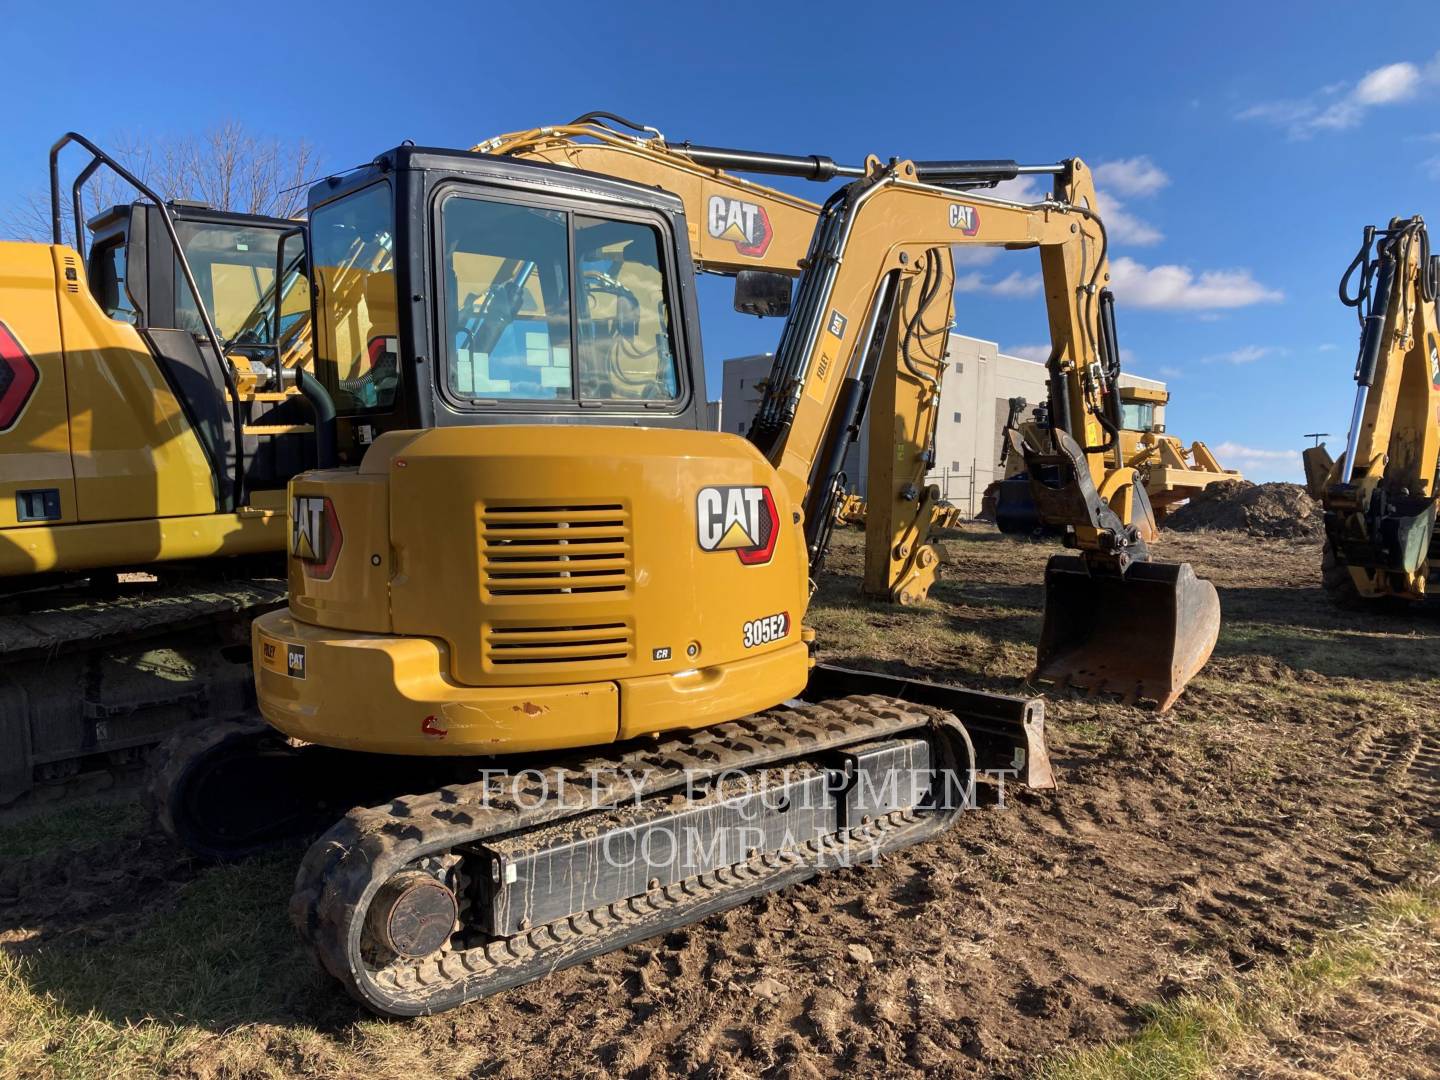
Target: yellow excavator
point(592, 637)
point(1380, 497)
point(171, 288)
point(143, 421)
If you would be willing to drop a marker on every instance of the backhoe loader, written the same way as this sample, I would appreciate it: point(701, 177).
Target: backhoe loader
point(592, 637)
point(1380, 496)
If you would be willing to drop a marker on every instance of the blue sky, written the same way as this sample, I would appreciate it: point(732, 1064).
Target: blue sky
point(1240, 147)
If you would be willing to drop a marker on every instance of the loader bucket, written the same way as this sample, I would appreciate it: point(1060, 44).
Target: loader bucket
point(1143, 634)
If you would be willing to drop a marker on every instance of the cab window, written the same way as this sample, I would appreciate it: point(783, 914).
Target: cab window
point(234, 267)
point(507, 284)
point(624, 322)
point(1137, 415)
point(352, 243)
point(544, 305)
point(109, 282)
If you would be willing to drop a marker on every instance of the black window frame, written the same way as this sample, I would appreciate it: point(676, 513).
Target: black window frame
point(458, 187)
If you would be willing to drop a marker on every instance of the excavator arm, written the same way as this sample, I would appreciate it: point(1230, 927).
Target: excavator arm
point(869, 330)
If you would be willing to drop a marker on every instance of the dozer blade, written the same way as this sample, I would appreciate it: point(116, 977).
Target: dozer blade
point(1144, 634)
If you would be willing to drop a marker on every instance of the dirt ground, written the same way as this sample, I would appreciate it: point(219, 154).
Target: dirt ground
point(1292, 786)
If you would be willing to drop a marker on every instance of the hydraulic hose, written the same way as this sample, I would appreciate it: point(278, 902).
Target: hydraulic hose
point(322, 405)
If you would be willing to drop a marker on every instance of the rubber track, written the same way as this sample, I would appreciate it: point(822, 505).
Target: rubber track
point(344, 868)
point(48, 623)
point(170, 759)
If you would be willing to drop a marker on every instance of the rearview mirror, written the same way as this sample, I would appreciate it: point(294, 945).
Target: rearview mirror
point(762, 293)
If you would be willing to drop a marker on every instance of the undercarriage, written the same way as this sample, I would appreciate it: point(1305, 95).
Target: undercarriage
point(514, 868)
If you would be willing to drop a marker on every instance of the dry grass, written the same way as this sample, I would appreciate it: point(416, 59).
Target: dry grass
point(1282, 1020)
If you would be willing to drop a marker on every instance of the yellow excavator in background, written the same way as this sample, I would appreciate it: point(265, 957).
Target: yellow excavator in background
point(621, 604)
point(1380, 496)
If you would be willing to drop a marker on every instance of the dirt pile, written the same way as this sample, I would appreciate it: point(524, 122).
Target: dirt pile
point(1267, 510)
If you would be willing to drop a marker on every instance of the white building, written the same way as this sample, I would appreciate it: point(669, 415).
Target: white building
point(974, 402)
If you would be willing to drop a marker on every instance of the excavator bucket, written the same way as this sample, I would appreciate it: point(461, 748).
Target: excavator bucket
point(1141, 634)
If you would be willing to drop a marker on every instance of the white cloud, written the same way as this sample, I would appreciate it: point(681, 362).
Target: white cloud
point(1016, 284)
point(1178, 288)
point(1342, 105)
point(1393, 82)
point(975, 256)
point(1123, 226)
point(1258, 463)
point(1171, 372)
point(1023, 189)
point(1432, 167)
point(1137, 176)
point(1037, 353)
point(1237, 450)
point(1128, 176)
point(1132, 176)
point(1245, 354)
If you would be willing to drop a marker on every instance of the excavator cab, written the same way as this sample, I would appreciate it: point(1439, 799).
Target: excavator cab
point(133, 271)
point(523, 293)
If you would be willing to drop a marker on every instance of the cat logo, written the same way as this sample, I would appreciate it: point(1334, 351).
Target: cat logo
point(315, 536)
point(965, 218)
point(738, 519)
point(282, 657)
point(18, 378)
point(744, 224)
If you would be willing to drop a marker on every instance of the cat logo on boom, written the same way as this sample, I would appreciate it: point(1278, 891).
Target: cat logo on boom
point(744, 224)
point(965, 218)
point(740, 519)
